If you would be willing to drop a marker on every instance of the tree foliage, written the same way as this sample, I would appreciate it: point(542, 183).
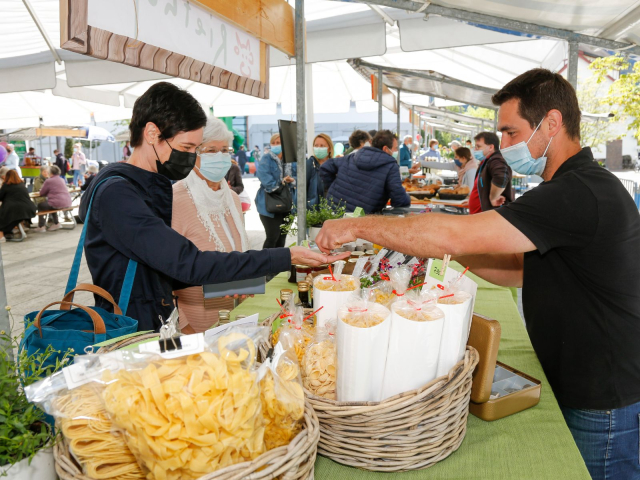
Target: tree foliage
point(621, 98)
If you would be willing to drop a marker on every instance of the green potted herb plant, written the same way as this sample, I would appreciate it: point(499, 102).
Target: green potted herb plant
point(316, 216)
point(26, 439)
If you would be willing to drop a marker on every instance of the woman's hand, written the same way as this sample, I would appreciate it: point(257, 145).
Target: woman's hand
point(287, 179)
point(306, 256)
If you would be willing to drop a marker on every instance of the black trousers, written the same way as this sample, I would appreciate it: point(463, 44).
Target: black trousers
point(42, 219)
point(275, 237)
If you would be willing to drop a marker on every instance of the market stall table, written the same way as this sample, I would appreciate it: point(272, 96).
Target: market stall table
point(534, 444)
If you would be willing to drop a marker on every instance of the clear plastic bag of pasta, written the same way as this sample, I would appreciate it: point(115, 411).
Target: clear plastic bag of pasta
point(76, 404)
point(294, 337)
point(186, 416)
point(319, 365)
point(382, 293)
point(282, 398)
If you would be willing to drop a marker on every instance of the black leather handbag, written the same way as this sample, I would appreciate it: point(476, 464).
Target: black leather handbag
point(280, 200)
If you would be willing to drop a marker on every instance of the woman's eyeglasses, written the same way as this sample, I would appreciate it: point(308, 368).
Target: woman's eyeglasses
point(201, 150)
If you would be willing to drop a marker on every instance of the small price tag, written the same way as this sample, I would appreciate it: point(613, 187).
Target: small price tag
point(189, 345)
point(77, 375)
point(437, 270)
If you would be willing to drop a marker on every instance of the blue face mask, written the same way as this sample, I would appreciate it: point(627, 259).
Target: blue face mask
point(478, 155)
point(519, 158)
point(276, 149)
point(214, 166)
point(457, 162)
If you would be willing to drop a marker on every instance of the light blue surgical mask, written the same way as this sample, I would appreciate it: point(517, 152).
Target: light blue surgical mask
point(478, 155)
point(214, 166)
point(394, 155)
point(276, 149)
point(320, 152)
point(519, 158)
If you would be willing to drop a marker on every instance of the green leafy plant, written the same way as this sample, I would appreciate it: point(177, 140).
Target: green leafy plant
point(23, 428)
point(316, 216)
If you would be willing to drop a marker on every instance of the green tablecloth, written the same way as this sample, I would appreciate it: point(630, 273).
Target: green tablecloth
point(534, 444)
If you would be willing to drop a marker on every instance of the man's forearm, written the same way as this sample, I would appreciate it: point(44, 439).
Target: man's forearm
point(495, 192)
point(501, 269)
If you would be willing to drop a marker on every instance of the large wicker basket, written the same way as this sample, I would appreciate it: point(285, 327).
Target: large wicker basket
point(410, 431)
point(291, 462)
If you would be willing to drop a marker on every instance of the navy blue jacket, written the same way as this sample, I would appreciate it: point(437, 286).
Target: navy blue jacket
point(131, 219)
point(367, 178)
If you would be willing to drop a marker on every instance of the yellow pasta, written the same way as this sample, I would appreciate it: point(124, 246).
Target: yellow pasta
point(347, 283)
point(426, 315)
point(282, 403)
point(86, 425)
point(319, 369)
point(191, 415)
point(363, 319)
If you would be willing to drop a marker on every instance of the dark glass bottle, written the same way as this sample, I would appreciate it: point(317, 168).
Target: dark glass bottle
point(303, 295)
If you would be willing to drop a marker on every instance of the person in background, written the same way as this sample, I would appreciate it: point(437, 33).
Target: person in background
point(126, 151)
point(38, 183)
point(492, 185)
point(78, 164)
point(405, 152)
point(467, 165)
point(273, 175)
point(16, 205)
point(92, 171)
point(12, 162)
point(469, 145)
point(256, 154)
point(234, 178)
point(57, 197)
point(367, 178)
point(208, 212)
point(242, 159)
point(322, 151)
point(357, 140)
point(433, 151)
point(31, 159)
point(455, 145)
point(61, 163)
point(3, 173)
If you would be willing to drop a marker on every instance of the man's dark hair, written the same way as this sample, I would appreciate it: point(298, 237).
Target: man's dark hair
point(489, 138)
point(538, 91)
point(358, 137)
point(383, 138)
point(172, 109)
point(372, 133)
point(32, 149)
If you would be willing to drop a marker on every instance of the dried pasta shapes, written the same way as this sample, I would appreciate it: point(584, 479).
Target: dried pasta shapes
point(319, 363)
point(295, 336)
point(102, 454)
point(282, 399)
point(192, 415)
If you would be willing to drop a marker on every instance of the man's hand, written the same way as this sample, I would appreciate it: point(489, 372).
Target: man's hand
point(498, 202)
point(335, 233)
point(416, 168)
point(288, 179)
point(306, 256)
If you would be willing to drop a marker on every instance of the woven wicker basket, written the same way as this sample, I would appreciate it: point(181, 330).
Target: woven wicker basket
point(410, 431)
point(291, 462)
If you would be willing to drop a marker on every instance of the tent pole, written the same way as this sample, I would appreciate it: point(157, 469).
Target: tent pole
point(311, 127)
point(572, 72)
point(398, 119)
point(495, 121)
point(380, 98)
point(5, 326)
point(300, 119)
point(413, 125)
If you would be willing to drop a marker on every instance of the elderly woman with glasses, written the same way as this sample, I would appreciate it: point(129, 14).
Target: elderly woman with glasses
point(209, 213)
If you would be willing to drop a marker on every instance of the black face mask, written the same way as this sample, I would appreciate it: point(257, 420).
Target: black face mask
point(179, 164)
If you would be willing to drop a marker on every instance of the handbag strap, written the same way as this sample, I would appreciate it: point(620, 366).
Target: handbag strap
point(127, 284)
point(87, 287)
point(98, 324)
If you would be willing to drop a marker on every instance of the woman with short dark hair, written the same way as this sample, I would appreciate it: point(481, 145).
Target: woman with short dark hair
point(16, 204)
point(130, 217)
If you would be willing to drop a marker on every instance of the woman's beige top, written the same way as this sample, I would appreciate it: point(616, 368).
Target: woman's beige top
point(194, 310)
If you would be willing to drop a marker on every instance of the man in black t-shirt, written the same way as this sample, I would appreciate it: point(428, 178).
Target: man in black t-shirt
point(572, 244)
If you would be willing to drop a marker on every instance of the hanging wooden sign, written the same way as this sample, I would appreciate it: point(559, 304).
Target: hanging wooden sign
point(174, 37)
